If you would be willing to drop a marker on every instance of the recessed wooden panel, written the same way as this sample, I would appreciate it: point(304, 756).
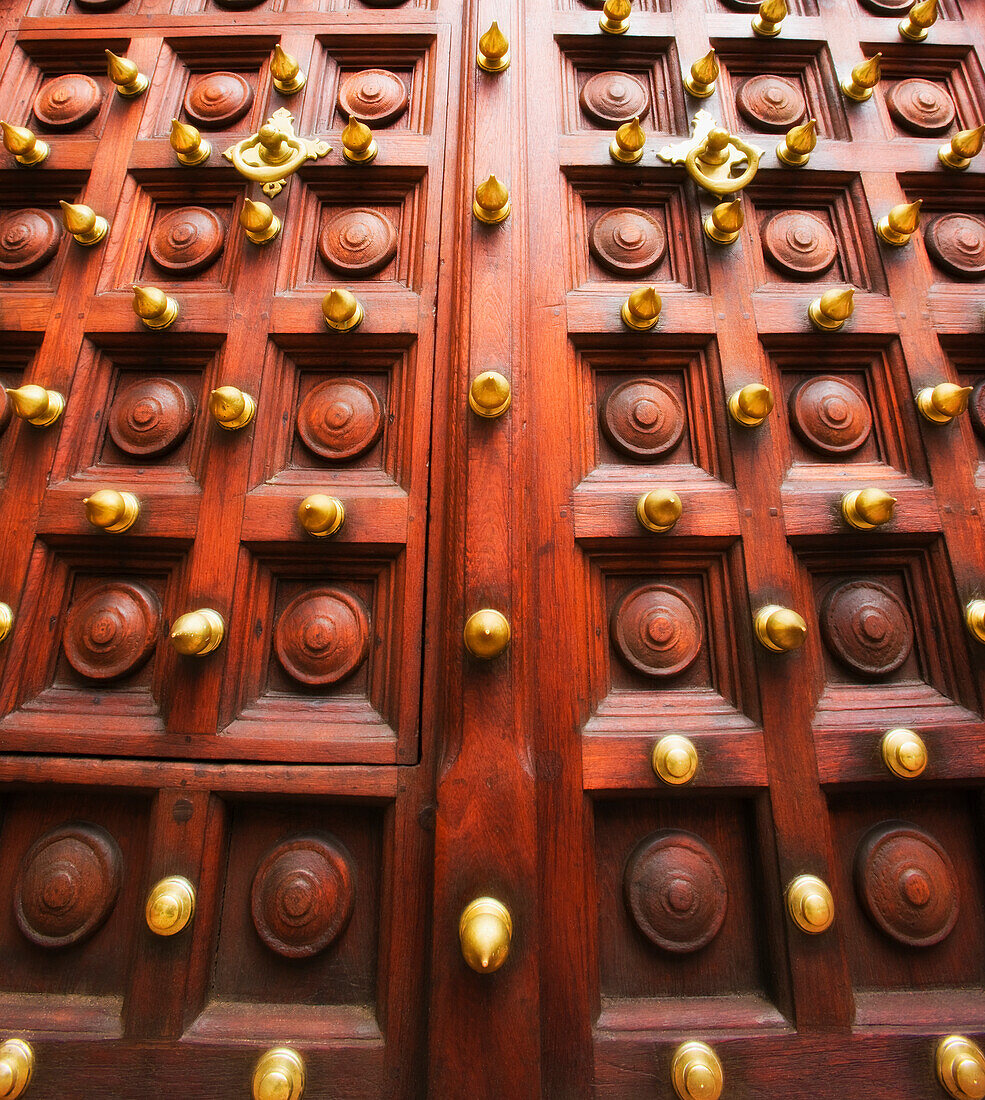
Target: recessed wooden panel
point(931, 94)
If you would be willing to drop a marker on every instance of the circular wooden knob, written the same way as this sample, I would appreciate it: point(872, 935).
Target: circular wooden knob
point(779, 628)
point(961, 1068)
point(485, 930)
point(170, 906)
point(659, 509)
point(810, 904)
point(490, 394)
point(487, 633)
point(321, 515)
point(674, 759)
point(865, 509)
point(904, 753)
point(279, 1075)
point(697, 1072)
point(197, 632)
point(111, 510)
point(16, 1068)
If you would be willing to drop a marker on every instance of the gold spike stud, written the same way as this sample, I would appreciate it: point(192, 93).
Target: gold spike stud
point(358, 144)
point(751, 405)
point(942, 403)
point(36, 405)
point(865, 76)
point(494, 50)
point(285, 72)
point(231, 408)
point(85, 225)
point(170, 906)
point(810, 904)
point(904, 753)
point(866, 509)
point(129, 80)
point(16, 1067)
point(974, 617)
point(627, 146)
point(23, 145)
point(6, 620)
point(154, 308)
point(279, 1075)
point(111, 509)
point(833, 308)
point(696, 1072)
point(492, 202)
point(342, 310)
point(767, 21)
point(197, 632)
point(659, 510)
point(964, 145)
point(700, 82)
point(485, 931)
point(259, 222)
point(798, 144)
point(918, 21)
point(960, 1065)
point(641, 310)
point(321, 515)
point(899, 225)
point(615, 16)
point(490, 394)
point(486, 633)
point(188, 144)
point(674, 760)
point(724, 222)
point(779, 629)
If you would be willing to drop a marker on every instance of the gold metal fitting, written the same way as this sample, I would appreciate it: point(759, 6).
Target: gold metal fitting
point(779, 629)
point(492, 202)
point(696, 1072)
point(154, 308)
point(16, 1067)
point(279, 1075)
point(810, 904)
point(321, 515)
point(358, 144)
point(960, 1067)
point(974, 617)
point(867, 508)
point(129, 80)
point(342, 310)
point(767, 21)
point(700, 82)
point(112, 510)
point(674, 759)
point(833, 308)
point(627, 146)
point(231, 408)
point(198, 632)
point(490, 394)
point(85, 225)
point(274, 152)
point(494, 50)
point(285, 72)
point(24, 145)
point(259, 222)
point(716, 160)
point(615, 16)
point(6, 620)
point(36, 405)
point(918, 21)
point(904, 753)
point(964, 145)
point(487, 633)
point(899, 225)
point(659, 510)
point(188, 144)
point(170, 906)
point(751, 405)
point(798, 144)
point(724, 222)
point(485, 931)
point(641, 310)
point(865, 76)
point(942, 403)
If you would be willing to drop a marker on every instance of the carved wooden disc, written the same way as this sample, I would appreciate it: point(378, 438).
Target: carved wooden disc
point(238, 5)
point(67, 885)
point(67, 102)
point(151, 416)
point(322, 636)
point(217, 100)
point(642, 418)
point(383, 3)
point(830, 414)
point(340, 419)
point(99, 5)
point(675, 889)
point(28, 240)
point(627, 241)
point(186, 240)
point(770, 102)
point(887, 7)
point(358, 241)
point(920, 106)
point(799, 244)
point(657, 630)
point(976, 407)
point(743, 5)
point(302, 895)
point(374, 96)
point(613, 98)
point(111, 630)
point(907, 884)
point(957, 244)
point(867, 627)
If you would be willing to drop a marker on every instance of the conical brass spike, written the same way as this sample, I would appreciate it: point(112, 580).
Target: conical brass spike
point(490, 394)
point(615, 16)
point(974, 617)
point(659, 510)
point(23, 145)
point(494, 50)
point(188, 144)
point(866, 509)
point(492, 201)
point(154, 308)
point(485, 930)
point(724, 222)
point(286, 72)
point(833, 308)
point(779, 629)
point(85, 225)
point(259, 221)
point(627, 146)
point(920, 18)
point(964, 145)
point(751, 405)
point(767, 21)
point(641, 310)
point(36, 405)
point(111, 510)
point(341, 310)
point(700, 82)
point(6, 620)
point(231, 408)
point(798, 144)
point(358, 143)
point(321, 515)
point(129, 80)
point(942, 403)
point(899, 225)
point(197, 633)
point(865, 76)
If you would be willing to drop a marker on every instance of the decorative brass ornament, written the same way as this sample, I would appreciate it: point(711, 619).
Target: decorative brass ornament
point(487, 633)
point(904, 753)
point(627, 146)
point(641, 310)
point(779, 629)
point(767, 21)
point(197, 633)
point(188, 144)
point(358, 144)
point(724, 222)
point(810, 904)
point(974, 617)
point(899, 225)
point(919, 19)
point(279, 1075)
point(129, 80)
point(615, 16)
point(85, 225)
point(957, 153)
point(485, 931)
point(712, 154)
point(321, 515)
point(259, 222)
point(273, 153)
point(6, 620)
point(696, 1072)
point(494, 50)
point(341, 310)
point(659, 510)
point(154, 308)
point(700, 82)
point(942, 403)
point(492, 202)
point(751, 405)
point(960, 1067)
point(170, 906)
point(23, 145)
point(36, 405)
point(798, 144)
point(674, 760)
point(866, 509)
point(231, 408)
point(285, 72)
point(111, 509)
point(490, 394)
point(832, 309)
point(865, 76)
point(16, 1067)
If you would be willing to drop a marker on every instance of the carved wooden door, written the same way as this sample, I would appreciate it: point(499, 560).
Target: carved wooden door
point(536, 550)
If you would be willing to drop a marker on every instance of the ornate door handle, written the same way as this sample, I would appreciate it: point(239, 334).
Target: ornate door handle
point(711, 154)
point(274, 152)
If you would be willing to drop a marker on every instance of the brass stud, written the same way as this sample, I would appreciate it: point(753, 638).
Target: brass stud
point(485, 932)
point(724, 222)
point(659, 510)
point(279, 1075)
point(23, 145)
point(341, 310)
point(627, 146)
point(866, 509)
point(111, 509)
point(751, 405)
point(810, 904)
point(321, 515)
point(942, 403)
point(170, 906)
point(494, 50)
point(129, 80)
point(833, 308)
point(767, 21)
point(155, 309)
point(36, 405)
point(490, 394)
point(964, 145)
point(960, 1067)
point(865, 76)
point(641, 310)
point(918, 21)
point(798, 144)
point(779, 629)
point(16, 1068)
point(197, 633)
point(700, 82)
point(899, 225)
point(696, 1072)
point(259, 222)
point(188, 144)
point(85, 225)
point(674, 760)
point(487, 633)
point(615, 16)
point(285, 72)
point(358, 144)
point(904, 753)
point(6, 620)
point(974, 617)
point(492, 201)
point(231, 408)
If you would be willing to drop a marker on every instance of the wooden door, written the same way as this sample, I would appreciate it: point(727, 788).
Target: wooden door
point(341, 776)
